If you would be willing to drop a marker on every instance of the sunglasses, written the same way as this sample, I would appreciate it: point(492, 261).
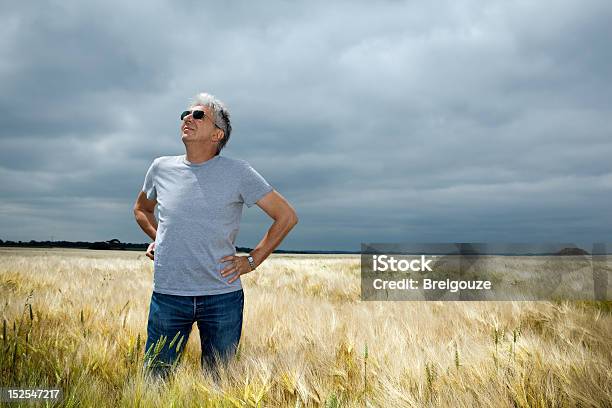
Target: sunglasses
point(197, 114)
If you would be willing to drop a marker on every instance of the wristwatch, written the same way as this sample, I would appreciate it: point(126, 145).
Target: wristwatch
point(251, 262)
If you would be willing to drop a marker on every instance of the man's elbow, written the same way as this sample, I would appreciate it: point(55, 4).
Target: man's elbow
point(287, 218)
point(138, 212)
point(292, 219)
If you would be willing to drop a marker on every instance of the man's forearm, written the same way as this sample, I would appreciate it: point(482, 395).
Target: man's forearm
point(147, 222)
point(275, 235)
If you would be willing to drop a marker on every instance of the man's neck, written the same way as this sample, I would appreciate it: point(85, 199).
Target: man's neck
point(198, 154)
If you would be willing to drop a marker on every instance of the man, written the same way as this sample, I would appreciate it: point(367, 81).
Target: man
point(199, 198)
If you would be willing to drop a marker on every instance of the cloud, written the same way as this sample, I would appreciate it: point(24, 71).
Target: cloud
point(440, 121)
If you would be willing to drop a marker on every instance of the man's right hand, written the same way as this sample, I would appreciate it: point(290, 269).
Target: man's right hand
point(151, 250)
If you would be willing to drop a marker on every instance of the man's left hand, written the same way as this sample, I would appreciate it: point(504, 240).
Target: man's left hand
point(239, 266)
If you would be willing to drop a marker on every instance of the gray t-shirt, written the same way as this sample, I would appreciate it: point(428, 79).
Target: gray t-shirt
point(199, 209)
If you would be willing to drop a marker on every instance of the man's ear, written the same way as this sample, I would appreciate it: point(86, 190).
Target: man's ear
point(220, 134)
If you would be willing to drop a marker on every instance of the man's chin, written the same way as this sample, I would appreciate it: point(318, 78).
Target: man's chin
point(188, 139)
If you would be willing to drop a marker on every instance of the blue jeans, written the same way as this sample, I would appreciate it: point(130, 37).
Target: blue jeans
point(219, 319)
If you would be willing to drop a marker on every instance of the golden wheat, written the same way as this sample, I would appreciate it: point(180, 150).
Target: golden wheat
point(76, 319)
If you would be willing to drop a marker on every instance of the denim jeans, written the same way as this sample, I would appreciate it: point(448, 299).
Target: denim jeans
point(219, 319)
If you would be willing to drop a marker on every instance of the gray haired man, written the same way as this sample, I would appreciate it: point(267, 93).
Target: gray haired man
point(199, 198)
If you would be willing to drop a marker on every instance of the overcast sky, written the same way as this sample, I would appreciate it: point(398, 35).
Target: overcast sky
point(430, 121)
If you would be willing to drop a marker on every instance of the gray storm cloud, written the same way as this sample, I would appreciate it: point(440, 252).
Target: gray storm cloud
point(381, 122)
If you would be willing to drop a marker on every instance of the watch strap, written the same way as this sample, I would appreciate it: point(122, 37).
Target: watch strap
point(251, 262)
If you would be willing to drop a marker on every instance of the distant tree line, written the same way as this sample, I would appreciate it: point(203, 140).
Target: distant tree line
point(111, 244)
point(115, 244)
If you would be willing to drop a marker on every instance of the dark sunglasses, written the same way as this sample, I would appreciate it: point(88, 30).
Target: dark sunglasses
point(197, 114)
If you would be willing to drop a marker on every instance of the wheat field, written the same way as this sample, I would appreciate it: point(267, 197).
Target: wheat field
point(76, 320)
